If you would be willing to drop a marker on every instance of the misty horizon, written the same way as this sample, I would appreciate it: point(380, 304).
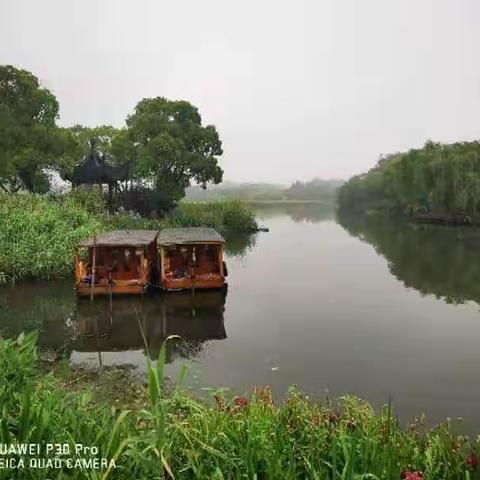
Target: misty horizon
point(296, 90)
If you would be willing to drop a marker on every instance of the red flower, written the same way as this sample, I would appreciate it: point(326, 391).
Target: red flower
point(472, 461)
point(411, 475)
point(240, 401)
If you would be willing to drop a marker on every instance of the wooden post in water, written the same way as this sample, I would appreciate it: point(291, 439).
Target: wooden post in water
point(162, 267)
point(220, 261)
point(194, 258)
point(97, 340)
point(94, 264)
point(110, 281)
point(159, 268)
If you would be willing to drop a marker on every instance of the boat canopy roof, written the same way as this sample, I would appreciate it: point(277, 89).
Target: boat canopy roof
point(122, 238)
point(179, 236)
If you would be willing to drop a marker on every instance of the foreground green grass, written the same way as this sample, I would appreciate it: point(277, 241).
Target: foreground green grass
point(173, 435)
point(38, 234)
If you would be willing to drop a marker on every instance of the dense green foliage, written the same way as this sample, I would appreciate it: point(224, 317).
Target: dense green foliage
point(39, 233)
point(29, 139)
point(225, 216)
point(437, 178)
point(170, 434)
point(37, 410)
point(316, 190)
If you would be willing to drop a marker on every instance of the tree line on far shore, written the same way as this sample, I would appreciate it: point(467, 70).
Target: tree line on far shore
point(438, 179)
point(163, 141)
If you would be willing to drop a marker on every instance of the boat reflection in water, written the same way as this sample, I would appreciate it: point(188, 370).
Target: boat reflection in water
point(99, 333)
point(124, 332)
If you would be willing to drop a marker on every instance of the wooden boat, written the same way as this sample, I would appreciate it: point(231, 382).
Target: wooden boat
point(441, 218)
point(119, 262)
point(191, 258)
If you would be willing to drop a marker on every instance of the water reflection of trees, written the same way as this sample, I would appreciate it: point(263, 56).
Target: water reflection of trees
point(432, 259)
point(238, 244)
point(298, 212)
point(65, 325)
point(47, 307)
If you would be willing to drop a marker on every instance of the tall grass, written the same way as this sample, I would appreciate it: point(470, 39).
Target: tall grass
point(178, 436)
point(38, 409)
point(224, 215)
point(38, 234)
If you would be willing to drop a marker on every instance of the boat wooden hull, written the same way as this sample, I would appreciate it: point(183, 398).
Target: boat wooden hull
point(188, 284)
point(85, 290)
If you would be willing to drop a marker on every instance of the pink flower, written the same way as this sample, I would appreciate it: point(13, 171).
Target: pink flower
point(240, 401)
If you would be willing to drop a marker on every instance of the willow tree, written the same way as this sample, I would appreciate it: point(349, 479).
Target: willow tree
point(436, 178)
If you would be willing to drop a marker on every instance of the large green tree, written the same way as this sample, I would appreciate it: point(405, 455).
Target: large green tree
point(171, 147)
point(29, 138)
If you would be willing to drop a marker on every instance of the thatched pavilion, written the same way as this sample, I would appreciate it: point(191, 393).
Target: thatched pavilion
point(95, 170)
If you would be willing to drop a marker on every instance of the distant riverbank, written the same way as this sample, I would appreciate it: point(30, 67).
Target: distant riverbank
point(290, 202)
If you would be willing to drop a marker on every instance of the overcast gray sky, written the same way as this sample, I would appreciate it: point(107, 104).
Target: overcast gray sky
point(296, 88)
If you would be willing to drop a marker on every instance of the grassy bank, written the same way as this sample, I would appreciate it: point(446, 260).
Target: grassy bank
point(173, 435)
point(38, 234)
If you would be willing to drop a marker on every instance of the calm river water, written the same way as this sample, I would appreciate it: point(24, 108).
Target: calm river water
point(381, 310)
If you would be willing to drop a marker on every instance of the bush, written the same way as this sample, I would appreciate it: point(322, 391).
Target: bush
point(225, 216)
point(39, 235)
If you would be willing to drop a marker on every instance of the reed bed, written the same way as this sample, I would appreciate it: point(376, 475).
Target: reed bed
point(38, 235)
point(172, 434)
point(226, 216)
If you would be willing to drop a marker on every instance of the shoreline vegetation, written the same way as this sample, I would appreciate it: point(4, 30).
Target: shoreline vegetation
point(290, 202)
point(436, 184)
point(168, 433)
point(40, 232)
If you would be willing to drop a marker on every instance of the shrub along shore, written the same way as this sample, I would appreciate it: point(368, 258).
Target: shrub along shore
point(38, 234)
point(175, 435)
